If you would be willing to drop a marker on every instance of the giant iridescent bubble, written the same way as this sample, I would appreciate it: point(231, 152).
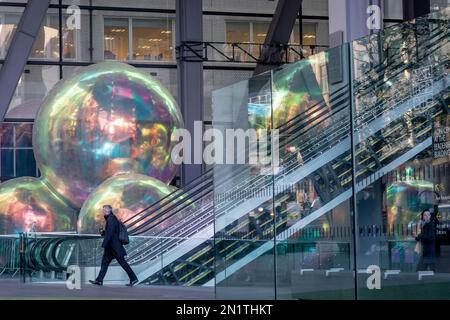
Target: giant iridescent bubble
point(128, 194)
point(28, 204)
point(106, 119)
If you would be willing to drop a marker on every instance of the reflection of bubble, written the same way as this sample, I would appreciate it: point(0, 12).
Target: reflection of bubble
point(28, 204)
point(106, 119)
point(128, 194)
point(407, 199)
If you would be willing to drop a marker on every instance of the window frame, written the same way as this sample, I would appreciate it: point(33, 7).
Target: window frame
point(130, 37)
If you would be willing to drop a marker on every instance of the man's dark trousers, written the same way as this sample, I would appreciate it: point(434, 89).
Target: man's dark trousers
point(113, 249)
point(108, 256)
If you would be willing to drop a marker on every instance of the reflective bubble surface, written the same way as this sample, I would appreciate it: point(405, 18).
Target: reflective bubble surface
point(106, 119)
point(128, 194)
point(28, 204)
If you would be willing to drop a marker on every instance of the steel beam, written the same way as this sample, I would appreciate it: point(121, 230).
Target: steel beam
point(19, 51)
point(278, 36)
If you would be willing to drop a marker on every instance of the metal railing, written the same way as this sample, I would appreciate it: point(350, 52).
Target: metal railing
point(242, 52)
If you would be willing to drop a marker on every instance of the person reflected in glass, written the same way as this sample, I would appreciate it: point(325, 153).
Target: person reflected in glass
point(427, 240)
point(113, 248)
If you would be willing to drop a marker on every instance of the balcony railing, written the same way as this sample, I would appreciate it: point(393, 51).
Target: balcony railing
point(241, 52)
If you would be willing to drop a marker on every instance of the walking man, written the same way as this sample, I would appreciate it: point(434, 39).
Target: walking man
point(113, 248)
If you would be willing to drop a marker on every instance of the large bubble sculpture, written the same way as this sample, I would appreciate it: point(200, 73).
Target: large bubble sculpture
point(106, 119)
point(128, 194)
point(28, 204)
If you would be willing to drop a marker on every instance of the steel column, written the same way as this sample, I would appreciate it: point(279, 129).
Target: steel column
point(189, 28)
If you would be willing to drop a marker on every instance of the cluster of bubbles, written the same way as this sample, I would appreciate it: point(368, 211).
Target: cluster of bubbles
point(102, 136)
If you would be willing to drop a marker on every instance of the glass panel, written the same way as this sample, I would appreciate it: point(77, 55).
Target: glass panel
point(315, 39)
point(244, 212)
point(401, 126)
point(76, 44)
point(153, 40)
point(34, 84)
point(46, 45)
point(393, 9)
point(9, 18)
point(154, 4)
point(25, 163)
point(116, 39)
point(309, 34)
point(248, 6)
point(315, 8)
point(260, 30)
point(7, 163)
point(216, 79)
point(438, 5)
point(239, 33)
point(7, 135)
point(24, 132)
point(313, 195)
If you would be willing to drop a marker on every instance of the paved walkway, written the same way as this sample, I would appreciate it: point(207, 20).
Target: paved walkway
point(13, 289)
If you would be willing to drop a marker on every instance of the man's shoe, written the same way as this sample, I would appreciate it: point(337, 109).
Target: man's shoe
point(96, 282)
point(132, 283)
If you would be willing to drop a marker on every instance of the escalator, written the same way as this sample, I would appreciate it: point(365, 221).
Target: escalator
point(179, 239)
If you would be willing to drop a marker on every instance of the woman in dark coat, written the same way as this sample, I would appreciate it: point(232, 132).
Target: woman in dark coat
point(427, 238)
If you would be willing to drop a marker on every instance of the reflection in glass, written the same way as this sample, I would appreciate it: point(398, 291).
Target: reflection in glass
point(116, 39)
point(46, 45)
point(35, 83)
point(25, 163)
point(238, 32)
point(7, 163)
point(24, 133)
point(7, 135)
point(8, 24)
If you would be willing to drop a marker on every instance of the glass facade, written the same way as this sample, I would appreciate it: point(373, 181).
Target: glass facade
point(16, 152)
point(357, 206)
point(144, 37)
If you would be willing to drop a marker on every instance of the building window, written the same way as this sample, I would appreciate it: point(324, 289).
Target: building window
point(16, 151)
point(116, 39)
point(152, 40)
point(259, 31)
point(139, 39)
point(238, 32)
point(70, 42)
point(309, 34)
point(250, 36)
point(46, 44)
